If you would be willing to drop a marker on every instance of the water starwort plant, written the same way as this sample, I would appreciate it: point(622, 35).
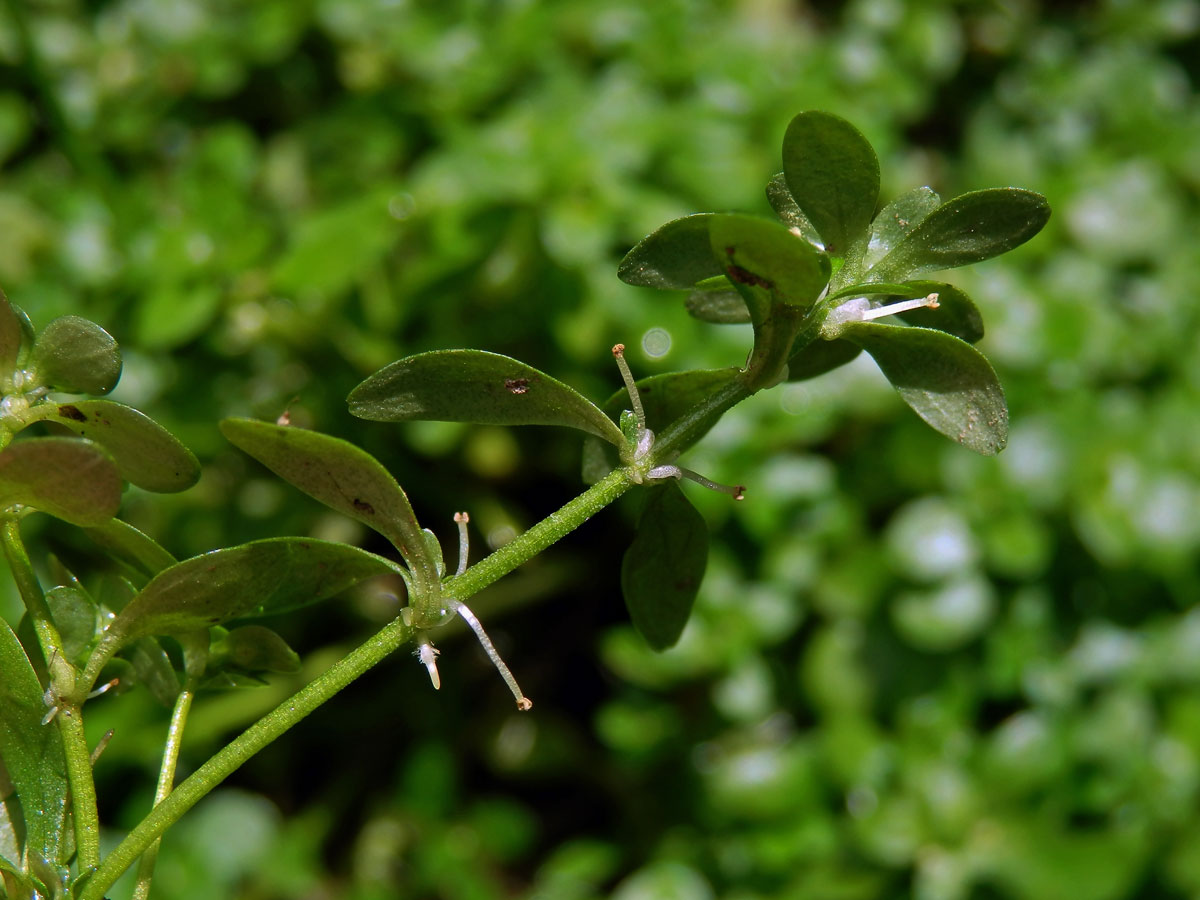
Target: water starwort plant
point(832, 278)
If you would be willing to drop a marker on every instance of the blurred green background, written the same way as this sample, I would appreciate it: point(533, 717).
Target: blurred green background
point(912, 671)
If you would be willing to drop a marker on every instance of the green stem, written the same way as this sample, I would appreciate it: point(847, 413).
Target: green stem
point(166, 780)
point(63, 683)
point(346, 670)
point(387, 640)
point(532, 542)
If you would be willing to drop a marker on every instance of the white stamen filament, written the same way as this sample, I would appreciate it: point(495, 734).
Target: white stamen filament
point(930, 301)
point(463, 541)
point(523, 702)
point(635, 398)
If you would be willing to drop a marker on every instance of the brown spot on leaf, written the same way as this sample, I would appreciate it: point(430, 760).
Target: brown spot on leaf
point(745, 276)
point(74, 413)
point(516, 385)
point(364, 507)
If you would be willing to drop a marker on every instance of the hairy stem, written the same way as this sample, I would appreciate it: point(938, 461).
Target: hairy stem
point(63, 684)
point(166, 780)
point(192, 789)
point(387, 640)
point(532, 542)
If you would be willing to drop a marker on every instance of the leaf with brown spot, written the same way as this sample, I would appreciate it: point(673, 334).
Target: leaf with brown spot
point(476, 386)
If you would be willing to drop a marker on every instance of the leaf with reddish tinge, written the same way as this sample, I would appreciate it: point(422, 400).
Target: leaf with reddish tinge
point(340, 475)
point(71, 479)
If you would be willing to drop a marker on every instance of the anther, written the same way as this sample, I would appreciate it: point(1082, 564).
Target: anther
point(736, 491)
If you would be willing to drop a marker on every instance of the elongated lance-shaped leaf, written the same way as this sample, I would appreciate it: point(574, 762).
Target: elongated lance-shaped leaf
point(955, 314)
point(789, 211)
point(69, 478)
point(895, 221)
point(257, 579)
point(967, 229)
point(32, 753)
point(675, 256)
point(476, 386)
point(946, 381)
point(343, 477)
point(76, 355)
point(10, 338)
point(663, 567)
point(833, 175)
point(124, 542)
point(759, 253)
point(146, 454)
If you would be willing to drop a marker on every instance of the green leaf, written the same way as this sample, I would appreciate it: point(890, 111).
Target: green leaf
point(124, 542)
point(675, 256)
point(77, 618)
point(32, 753)
point(663, 567)
point(151, 668)
point(340, 475)
point(146, 454)
point(956, 313)
point(11, 335)
point(895, 221)
point(75, 355)
point(256, 579)
point(762, 254)
point(946, 381)
point(475, 386)
point(722, 307)
point(967, 229)
point(71, 479)
point(789, 211)
point(833, 175)
point(820, 357)
point(253, 648)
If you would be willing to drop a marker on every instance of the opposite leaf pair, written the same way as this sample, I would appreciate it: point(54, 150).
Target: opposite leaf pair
point(832, 251)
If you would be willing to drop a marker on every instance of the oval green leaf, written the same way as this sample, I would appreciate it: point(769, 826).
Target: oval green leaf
point(956, 313)
point(833, 175)
point(968, 229)
point(343, 477)
point(256, 579)
point(789, 211)
point(76, 355)
point(675, 256)
point(71, 479)
point(663, 567)
point(895, 221)
point(11, 335)
point(253, 648)
point(768, 258)
point(476, 386)
point(722, 307)
point(32, 752)
point(946, 381)
point(124, 542)
point(820, 357)
point(146, 454)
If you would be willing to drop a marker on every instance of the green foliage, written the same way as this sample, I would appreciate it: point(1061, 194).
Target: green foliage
point(663, 567)
point(910, 669)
